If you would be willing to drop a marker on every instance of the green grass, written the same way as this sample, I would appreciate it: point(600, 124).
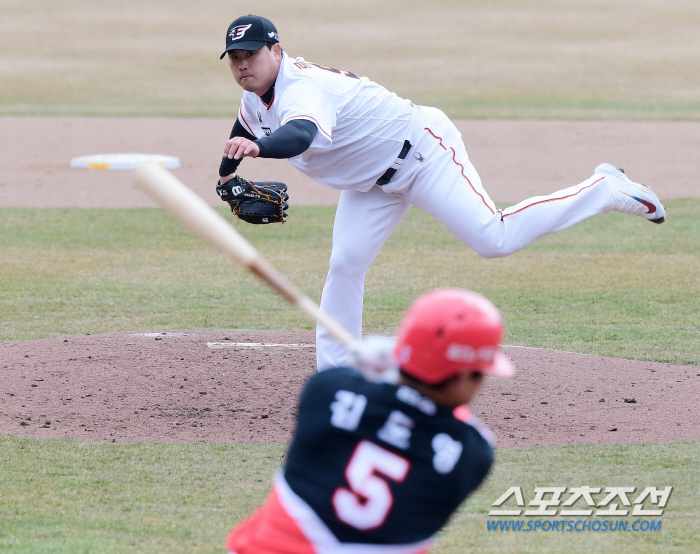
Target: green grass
point(68, 271)
point(580, 59)
point(639, 465)
point(613, 285)
point(78, 497)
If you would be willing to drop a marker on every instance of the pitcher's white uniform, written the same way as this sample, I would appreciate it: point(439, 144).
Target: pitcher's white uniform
point(362, 128)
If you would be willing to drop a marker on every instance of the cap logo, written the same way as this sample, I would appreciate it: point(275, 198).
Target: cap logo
point(467, 354)
point(238, 31)
point(273, 35)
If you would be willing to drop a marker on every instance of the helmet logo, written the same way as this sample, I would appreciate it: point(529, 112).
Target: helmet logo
point(238, 31)
point(469, 354)
point(404, 354)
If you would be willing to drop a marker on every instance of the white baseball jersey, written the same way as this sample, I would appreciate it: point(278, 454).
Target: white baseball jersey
point(361, 125)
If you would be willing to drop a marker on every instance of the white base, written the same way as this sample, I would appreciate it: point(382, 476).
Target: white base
point(123, 161)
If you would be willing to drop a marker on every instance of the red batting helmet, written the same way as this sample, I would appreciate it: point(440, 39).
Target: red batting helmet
point(451, 331)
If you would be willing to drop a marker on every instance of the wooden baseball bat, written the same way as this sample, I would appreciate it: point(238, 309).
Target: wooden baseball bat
point(190, 210)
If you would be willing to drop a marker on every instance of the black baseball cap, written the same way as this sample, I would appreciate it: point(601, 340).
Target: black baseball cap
point(250, 32)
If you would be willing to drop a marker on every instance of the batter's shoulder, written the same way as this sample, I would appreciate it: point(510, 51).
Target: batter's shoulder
point(335, 378)
point(321, 390)
point(471, 424)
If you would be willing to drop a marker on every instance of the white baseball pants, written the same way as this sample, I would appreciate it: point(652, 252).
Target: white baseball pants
point(445, 185)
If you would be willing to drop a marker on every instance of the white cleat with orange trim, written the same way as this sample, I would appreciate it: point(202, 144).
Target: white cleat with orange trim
point(632, 198)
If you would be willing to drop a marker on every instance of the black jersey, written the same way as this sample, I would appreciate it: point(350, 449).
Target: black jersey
point(382, 464)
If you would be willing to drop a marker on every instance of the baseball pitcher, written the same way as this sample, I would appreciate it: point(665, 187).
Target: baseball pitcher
point(385, 154)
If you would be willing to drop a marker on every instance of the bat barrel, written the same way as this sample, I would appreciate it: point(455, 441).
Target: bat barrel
point(190, 210)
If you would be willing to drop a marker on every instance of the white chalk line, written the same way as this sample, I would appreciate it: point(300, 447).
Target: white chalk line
point(263, 345)
point(256, 345)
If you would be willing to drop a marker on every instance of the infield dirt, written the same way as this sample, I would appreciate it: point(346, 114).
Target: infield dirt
point(515, 159)
point(180, 387)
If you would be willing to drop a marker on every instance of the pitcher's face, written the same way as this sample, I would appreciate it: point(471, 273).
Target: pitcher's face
point(256, 70)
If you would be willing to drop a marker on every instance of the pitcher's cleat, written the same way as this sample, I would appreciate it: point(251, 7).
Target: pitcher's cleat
point(632, 198)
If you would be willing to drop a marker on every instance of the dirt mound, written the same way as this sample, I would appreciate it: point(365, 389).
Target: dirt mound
point(202, 387)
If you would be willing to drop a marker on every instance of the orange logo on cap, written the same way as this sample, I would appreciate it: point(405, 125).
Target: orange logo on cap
point(238, 31)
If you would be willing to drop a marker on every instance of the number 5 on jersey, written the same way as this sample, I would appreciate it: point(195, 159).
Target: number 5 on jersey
point(367, 502)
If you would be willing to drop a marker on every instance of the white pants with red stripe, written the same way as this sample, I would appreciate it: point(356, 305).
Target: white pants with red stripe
point(438, 178)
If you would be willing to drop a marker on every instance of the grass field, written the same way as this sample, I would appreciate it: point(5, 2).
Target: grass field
point(580, 59)
point(613, 285)
point(66, 496)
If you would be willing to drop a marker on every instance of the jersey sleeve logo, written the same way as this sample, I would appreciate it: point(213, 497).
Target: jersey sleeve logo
point(238, 31)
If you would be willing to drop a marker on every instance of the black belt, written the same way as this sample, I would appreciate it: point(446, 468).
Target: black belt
point(389, 173)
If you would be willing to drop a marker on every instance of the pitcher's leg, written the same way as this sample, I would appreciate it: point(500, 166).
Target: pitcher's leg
point(450, 189)
point(535, 217)
point(363, 222)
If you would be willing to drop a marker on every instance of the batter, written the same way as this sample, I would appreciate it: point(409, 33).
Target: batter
point(386, 154)
point(380, 467)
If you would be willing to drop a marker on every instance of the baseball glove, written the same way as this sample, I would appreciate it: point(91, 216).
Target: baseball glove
point(257, 203)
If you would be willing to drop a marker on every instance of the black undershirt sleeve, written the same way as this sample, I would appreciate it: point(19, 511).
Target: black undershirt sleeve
point(240, 131)
point(290, 140)
point(228, 166)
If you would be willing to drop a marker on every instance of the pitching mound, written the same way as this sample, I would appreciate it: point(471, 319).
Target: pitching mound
point(202, 387)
